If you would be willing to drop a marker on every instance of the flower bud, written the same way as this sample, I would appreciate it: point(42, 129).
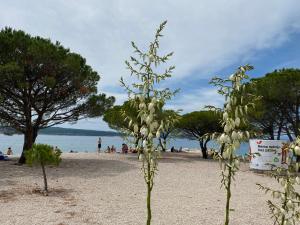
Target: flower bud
point(225, 115)
point(158, 134)
point(290, 204)
point(149, 119)
point(136, 128)
point(237, 121)
point(297, 150)
point(234, 135)
point(141, 157)
point(150, 106)
point(142, 105)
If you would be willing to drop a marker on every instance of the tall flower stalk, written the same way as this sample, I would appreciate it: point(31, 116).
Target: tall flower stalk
point(285, 210)
point(234, 119)
point(148, 101)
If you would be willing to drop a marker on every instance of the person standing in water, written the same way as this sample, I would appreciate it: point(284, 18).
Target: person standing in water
point(99, 144)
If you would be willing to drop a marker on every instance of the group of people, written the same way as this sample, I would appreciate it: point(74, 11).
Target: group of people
point(113, 149)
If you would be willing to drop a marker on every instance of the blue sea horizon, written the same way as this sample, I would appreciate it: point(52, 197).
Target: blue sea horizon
point(89, 143)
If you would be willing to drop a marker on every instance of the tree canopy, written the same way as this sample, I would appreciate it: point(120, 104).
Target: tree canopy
point(44, 84)
point(277, 112)
point(198, 125)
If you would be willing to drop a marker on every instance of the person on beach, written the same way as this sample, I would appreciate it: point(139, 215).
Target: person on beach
point(108, 150)
point(124, 148)
point(172, 149)
point(113, 149)
point(9, 151)
point(99, 144)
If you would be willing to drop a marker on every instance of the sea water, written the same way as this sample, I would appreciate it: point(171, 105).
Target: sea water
point(89, 143)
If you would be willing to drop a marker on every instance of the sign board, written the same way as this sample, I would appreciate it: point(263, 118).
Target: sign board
point(270, 154)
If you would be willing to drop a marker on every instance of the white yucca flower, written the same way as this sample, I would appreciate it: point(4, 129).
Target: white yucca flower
point(226, 154)
point(247, 134)
point(136, 128)
point(150, 106)
point(144, 143)
point(231, 77)
point(152, 128)
point(150, 135)
point(155, 124)
point(227, 128)
point(234, 135)
point(158, 134)
point(142, 98)
point(297, 150)
point(237, 121)
point(142, 105)
point(225, 115)
point(228, 106)
point(141, 157)
point(153, 100)
point(144, 131)
point(223, 138)
point(149, 119)
point(151, 58)
point(297, 180)
point(240, 135)
point(290, 204)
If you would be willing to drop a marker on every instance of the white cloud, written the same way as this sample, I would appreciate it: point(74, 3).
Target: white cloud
point(197, 100)
point(205, 35)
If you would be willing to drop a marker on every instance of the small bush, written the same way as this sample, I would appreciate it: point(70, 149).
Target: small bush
point(42, 155)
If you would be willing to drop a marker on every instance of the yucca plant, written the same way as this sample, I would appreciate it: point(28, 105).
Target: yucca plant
point(234, 121)
point(148, 100)
point(284, 209)
point(42, 155)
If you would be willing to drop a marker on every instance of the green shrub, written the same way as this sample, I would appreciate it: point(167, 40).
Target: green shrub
point(42, 155)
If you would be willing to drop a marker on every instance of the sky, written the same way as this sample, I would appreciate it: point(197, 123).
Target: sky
point(208, 38)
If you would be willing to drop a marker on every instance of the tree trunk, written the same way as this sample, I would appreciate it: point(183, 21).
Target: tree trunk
point(222, 149)
point(45, 178)
point(203, 149)
point(163, 144)
point(29, 139)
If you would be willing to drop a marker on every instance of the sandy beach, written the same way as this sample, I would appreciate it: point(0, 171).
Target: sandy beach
point(108, 189)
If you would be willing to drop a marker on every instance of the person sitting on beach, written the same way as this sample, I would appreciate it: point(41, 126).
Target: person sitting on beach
point(172, 149)
point(108, 150)
point(9, 151)
point(113, 149)
point(124, 148)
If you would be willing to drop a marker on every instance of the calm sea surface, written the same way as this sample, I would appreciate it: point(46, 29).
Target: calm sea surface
point(89, 143)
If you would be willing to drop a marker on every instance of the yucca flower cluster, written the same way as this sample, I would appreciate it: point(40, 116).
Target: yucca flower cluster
point(234, 122)
point(286, 205)
point(148, 101)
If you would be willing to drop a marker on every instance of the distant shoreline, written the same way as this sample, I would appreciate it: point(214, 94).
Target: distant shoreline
point(63, 131)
